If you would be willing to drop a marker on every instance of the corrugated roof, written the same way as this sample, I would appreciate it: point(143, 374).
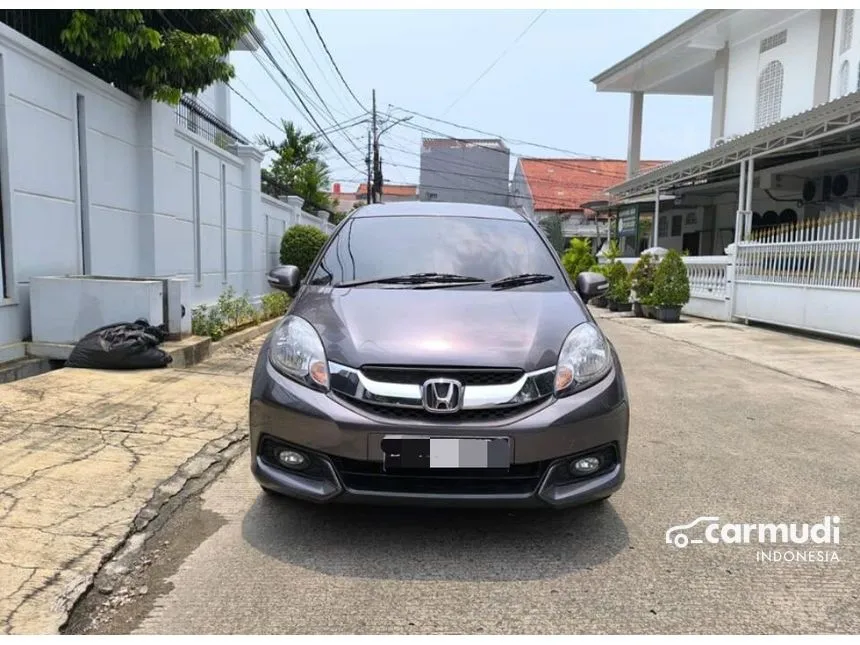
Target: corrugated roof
point(566, 184)
point(395, 190)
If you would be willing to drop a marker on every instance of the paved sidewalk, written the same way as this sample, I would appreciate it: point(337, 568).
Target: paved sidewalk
point(826, 362)
point(86, 456)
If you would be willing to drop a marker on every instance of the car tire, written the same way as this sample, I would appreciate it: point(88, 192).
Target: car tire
point(269, 492)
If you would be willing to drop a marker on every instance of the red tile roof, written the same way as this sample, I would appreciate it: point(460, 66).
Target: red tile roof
point(395, 190)
point(566, 184)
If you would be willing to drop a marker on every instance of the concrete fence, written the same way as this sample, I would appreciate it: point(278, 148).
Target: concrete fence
point(97, 183)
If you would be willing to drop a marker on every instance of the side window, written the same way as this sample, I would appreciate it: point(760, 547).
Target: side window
point(844, 71)
point(846, 33)
point(769, 96)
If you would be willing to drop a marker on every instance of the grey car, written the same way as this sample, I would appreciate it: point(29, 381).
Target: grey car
point(438, 354)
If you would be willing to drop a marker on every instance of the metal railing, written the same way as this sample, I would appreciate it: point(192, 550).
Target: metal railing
point(818, 253)
point(192, 116)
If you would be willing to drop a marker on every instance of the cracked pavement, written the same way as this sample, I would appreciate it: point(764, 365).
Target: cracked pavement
point(88, 456)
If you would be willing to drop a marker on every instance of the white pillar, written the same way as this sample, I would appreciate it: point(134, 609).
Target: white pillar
point(741, 198)
point(748, 206)
point(253, 222)
point(656, 216)
point(634, 134)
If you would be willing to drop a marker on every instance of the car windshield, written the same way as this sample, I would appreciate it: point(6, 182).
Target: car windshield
point(370, 248)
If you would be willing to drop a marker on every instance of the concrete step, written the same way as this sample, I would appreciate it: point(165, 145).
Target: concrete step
point(25, 368)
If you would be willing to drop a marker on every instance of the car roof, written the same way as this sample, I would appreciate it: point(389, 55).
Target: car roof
point(440, 209)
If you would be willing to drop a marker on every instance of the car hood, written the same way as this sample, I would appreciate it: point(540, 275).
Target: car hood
point(441, 327)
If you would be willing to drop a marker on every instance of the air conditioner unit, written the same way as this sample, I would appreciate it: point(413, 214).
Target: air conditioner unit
point(724, 139)
point(841, 186)
point(776, 182)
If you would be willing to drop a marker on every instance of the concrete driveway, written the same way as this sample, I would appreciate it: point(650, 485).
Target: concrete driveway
point(712, 435)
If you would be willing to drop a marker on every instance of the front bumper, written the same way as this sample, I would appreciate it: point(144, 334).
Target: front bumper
point(344, 445)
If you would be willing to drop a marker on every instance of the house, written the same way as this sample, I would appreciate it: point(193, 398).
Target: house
point(563, 187)
point(475, 171)
point(392, 193)
point(770, 207)
point(107, 193)
point(344, 201)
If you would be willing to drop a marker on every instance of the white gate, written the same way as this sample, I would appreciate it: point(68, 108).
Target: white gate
point(805, 276)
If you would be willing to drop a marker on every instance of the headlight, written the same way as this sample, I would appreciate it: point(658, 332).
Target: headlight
point(297, 351)
point(584, 359)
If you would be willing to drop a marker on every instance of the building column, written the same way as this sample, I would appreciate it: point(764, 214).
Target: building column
point(634, 134)
point(156, 126)
point(824, 58)
point(253, 224)
point(718, 106)
point(656, 224)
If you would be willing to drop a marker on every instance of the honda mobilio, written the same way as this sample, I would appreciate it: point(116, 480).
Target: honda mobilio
point(438, 354)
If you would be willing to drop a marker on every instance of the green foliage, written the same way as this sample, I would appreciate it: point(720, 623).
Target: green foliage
point(642, 277)
point(229, 313)
point(298, 168)
point(300, 246)
point(275, 304)
point(552, 227)
point(613, 251)
point(619, 281)
point(156, 54)
point(671, 284)
point(578, 257)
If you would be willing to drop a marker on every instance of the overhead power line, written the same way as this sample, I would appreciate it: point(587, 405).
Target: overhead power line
point(331, 58)
point(498, 136)
point(495, 62)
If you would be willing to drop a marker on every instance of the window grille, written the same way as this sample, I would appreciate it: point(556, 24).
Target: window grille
point(769, 100)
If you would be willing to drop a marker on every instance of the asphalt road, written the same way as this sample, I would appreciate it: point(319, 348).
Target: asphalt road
point(711, 435)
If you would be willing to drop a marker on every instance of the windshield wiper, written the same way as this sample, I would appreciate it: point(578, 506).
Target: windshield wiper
point(414, 278)
point(521, 280)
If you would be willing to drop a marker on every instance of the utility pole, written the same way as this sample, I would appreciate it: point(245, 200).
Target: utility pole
point(377, 169)
point(367, 160)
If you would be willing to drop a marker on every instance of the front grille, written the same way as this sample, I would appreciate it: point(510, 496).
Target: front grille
point(486, 415)
point(519, 479)
point(417, 375)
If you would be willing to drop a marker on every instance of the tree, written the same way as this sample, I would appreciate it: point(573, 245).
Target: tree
point(156, 54)
point(554, 230)
point(298, 168)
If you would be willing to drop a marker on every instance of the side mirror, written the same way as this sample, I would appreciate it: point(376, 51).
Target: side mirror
point(285, 278)
point(591, 285)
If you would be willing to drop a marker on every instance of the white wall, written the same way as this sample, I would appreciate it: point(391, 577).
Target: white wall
point(521, 196)
point(138, 201)
point(851, 56)
point(798, 56)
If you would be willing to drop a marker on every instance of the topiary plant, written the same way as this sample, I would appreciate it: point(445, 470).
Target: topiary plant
point(619, 282)
point(671, 284)
point(642, 277)
point(300, 246)
point(578, 257)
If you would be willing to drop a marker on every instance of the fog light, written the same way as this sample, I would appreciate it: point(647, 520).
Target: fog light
point(585, 466)
point(292, 459)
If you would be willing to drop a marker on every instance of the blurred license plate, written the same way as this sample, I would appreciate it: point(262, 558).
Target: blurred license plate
point(424, 452)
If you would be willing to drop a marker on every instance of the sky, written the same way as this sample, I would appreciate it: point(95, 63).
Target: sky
point(425, 61)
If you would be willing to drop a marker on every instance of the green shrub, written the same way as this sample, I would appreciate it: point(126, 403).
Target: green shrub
point(619, 281)
point(275, 304)
point(578, 257)
point(229, 313)
point(671, 284)
point(300, 246)
point(642, 277)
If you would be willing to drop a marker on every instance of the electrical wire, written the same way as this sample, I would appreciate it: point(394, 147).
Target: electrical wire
point(331, 58)
point(495, 62)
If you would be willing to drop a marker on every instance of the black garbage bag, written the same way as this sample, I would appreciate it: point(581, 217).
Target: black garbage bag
point(121, 346)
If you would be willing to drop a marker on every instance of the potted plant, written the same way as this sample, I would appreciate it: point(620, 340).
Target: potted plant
point(642, 283)
point(619, 287)
point(671, 288)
